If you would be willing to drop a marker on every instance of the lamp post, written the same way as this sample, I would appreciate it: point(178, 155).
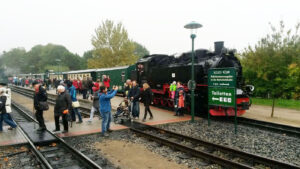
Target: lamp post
point(58, 60)
point(193, 26)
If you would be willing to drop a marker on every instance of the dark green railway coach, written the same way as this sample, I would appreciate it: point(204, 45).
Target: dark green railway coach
point(117, 75)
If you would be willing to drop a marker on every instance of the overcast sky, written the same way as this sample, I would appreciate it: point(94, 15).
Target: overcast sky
point(156, 24)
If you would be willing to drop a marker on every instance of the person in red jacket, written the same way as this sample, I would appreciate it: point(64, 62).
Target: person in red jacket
point(79, 85)
point(75, 84)
point(106, 81)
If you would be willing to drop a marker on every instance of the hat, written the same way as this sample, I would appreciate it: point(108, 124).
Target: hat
point(35, 82)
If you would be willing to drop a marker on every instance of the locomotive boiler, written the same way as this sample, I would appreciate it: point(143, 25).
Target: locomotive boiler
point(161, 70)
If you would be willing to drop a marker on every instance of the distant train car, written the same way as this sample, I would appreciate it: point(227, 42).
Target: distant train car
point(71, 75)
point(117, 75)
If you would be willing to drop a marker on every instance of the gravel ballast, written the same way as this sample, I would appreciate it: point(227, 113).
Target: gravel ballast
point(280, 147)
point(87, 143)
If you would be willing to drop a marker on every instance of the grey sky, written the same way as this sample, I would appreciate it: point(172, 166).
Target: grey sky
point(156, 24)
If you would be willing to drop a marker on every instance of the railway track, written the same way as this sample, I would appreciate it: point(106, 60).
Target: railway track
point(85, 111)
point(222, 155)
point(274, 127)
point(51, 151)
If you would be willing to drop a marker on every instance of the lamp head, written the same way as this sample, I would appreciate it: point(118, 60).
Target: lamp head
point(193, 26)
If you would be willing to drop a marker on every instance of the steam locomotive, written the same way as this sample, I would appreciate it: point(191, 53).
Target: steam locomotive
point(161, 70)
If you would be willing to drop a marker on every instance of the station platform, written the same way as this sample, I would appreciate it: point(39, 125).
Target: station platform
point(160, 117)
point(11, 137)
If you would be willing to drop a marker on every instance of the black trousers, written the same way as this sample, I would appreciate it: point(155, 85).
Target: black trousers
point(147, 109)
point(84, 92)
point(40, 118)
point(65, 122)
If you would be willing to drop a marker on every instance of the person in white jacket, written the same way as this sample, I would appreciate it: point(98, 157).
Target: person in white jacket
point(5, 108)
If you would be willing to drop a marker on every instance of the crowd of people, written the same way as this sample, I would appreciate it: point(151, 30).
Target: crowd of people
point(101, 93)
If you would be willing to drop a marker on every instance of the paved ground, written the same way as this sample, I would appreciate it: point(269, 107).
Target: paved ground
point(281, 115)
point(130, 155)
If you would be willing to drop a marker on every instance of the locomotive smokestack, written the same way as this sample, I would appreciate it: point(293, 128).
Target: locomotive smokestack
point(219, 46)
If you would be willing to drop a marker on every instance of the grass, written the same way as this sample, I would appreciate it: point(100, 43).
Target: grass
point(283, 103)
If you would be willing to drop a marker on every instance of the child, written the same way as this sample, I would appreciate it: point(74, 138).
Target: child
point(181, 102)
point(173, 89)
point(122, 107)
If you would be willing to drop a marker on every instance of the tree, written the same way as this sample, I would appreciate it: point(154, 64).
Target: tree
point(13, 61)
point(111, 42)
point(86, 56)
point(140, 50)
point(273, 64)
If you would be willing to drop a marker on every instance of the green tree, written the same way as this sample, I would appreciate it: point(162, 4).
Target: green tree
point(272, 64)
point(111, 42)
point(86, 56)
point(13, 61)
point(140, 50)
point(42, 57)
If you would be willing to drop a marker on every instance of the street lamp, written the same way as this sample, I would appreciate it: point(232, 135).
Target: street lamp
point(58, 60)
point(193, 26)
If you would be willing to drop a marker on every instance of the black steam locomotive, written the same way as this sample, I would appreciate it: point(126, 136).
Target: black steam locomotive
point(161, 70)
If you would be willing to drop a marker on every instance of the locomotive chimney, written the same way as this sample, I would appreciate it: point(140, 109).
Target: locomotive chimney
point(219, 46)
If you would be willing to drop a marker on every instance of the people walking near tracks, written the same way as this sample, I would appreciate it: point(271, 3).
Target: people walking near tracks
point(147, 97)
point(62, 108)
point(134, 95)
point(105, 107)
point(95, 98)
point(5, 109)
point(40, 103)
point(75, 103)
point(106, 81)
point(84, 87)
point(179, 100)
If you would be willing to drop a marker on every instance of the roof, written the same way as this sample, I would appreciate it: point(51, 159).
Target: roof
point(80, 71)
point(112, 68)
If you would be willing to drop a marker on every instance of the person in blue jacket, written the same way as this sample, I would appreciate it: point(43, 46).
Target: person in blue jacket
point(105, 107)
point(72, 92)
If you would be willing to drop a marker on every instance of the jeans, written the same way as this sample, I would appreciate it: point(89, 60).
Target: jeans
point(106, 118)
point(93, 110)
point(76, 111)
point(40, 118)
point(135, 109)
point(6, 117)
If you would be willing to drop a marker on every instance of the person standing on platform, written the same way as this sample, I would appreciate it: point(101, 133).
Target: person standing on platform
point(127, 87)
point(5, 109)
point(105, 107)
point(62, 108)
point(147, 97)
point(173, 90)
point(40, 95)
point(177, 97)
point(134, 95)
point(95, 98)
point(84, 87)
point(75, 111)
point(106, 81)
point(90, 87)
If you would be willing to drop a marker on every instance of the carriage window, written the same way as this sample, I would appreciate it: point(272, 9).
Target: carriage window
point(123, 76)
